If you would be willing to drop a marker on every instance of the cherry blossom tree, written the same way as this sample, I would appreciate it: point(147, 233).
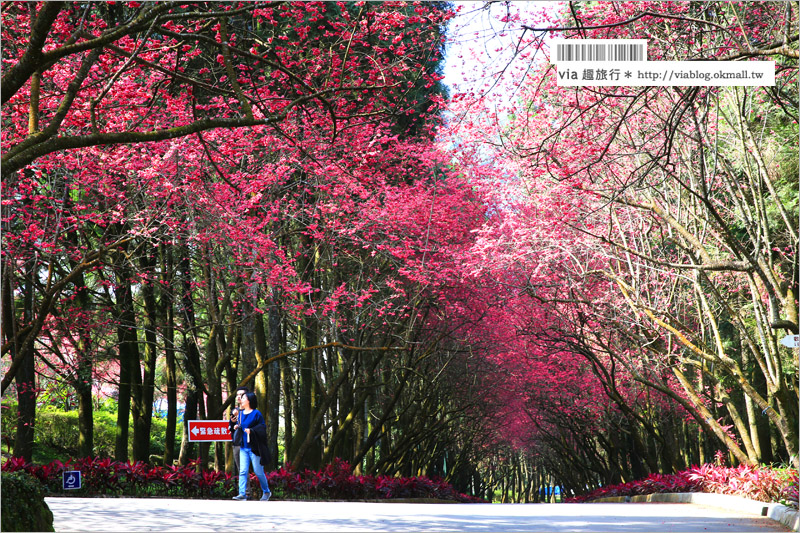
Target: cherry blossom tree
point(125, 125)
point(625, 216)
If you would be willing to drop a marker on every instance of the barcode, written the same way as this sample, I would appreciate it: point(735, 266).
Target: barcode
point(597, 50)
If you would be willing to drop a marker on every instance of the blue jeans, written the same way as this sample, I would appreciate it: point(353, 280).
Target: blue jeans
point(247, 457)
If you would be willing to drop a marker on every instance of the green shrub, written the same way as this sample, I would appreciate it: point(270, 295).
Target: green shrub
point(24, 508)
point(56, 433)
point(57, 428)
point(8, 421)
point(105, 433)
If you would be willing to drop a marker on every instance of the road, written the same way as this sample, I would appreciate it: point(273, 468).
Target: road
point(135, 514)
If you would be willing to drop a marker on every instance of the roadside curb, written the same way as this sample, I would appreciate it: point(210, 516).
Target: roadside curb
point(375, 500)
point(780, 513)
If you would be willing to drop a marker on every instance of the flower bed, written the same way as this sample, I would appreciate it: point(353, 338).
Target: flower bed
point(104, 477)
point(754, 482)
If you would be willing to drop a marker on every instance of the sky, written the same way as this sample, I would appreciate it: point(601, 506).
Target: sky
point(482, 39)
point(480, 60)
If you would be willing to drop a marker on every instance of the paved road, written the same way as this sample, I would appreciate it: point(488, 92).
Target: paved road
point(133, 514)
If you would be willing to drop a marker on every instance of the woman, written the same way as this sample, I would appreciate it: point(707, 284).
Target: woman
point(236, 435)
point(254, 446)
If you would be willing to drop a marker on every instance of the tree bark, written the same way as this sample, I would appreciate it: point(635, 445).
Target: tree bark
point(274, 380)
point(168, 311)
point(84, 378)
point(143, 423)
point(216, 348)
point(191, 361)
point(26, 378)
point(129, 368)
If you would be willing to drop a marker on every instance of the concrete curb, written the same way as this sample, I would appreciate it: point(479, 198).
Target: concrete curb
point(780, 513)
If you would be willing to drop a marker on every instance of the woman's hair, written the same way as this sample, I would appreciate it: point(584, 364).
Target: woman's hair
point(252, 399)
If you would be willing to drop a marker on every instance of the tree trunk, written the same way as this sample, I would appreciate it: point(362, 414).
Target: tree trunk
point(168, 311)
point(702, 414)
point(129, 368)
point(274, 384)
point(261, 350)
point(26, 379)
point(214, 383)
point(143, 423)
point(191, 362)
point(216, 349)
point(26, 374)
point(307, 335)
point(189, 413)
point(248, 361)
point(305, 406)
point(84, 379)
point(231, 366)
point(289, 408)
point(311, 443)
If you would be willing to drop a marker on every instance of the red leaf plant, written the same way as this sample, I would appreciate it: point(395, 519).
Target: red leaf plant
point(754, 482)
point(335, 481)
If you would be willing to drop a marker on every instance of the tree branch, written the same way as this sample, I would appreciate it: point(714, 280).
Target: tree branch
point(30, 62)
point(628, 21)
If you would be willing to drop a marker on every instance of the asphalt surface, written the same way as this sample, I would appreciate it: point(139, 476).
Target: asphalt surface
point(135, 514)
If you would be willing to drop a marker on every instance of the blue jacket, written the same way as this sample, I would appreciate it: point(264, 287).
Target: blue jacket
point(258, 434)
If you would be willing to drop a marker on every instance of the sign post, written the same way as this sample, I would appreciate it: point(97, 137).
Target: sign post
point(791, 341)
point(71, 479)
point(209, 430)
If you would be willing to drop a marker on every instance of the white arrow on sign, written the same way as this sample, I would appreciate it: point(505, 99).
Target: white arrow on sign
point(791, 341)
point(195, 430)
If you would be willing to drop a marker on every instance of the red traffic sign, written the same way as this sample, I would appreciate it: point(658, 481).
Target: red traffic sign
point(209, 430)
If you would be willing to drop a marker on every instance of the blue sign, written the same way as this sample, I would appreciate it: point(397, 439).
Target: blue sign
point(72, 479)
